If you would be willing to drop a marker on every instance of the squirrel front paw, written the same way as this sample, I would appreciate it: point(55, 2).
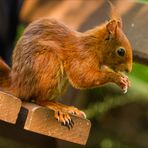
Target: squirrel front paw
point(123, 82)
point(64, 118)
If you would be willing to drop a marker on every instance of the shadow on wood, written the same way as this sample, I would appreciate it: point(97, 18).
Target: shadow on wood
point(14, 132)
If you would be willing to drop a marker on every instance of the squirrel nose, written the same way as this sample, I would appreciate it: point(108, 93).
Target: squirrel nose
point(128, 69)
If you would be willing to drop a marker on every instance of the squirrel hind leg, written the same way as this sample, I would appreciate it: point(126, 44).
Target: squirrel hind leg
point(62, 112)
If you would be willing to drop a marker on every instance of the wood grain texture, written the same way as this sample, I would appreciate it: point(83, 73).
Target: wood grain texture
point(72, 12)
point(42, 121)
point(9, 107)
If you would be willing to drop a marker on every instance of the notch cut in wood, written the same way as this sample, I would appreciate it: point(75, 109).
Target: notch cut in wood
point(9, 107)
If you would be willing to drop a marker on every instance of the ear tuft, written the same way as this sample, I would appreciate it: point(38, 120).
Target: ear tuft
point(111, 27)
point(119, 24)
point(114, 14)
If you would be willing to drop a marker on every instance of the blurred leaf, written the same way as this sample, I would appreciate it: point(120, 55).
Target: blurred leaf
point(20, 30)
point(140, 71)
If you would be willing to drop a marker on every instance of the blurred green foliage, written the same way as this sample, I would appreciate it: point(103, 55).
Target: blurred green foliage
point(138, 92)
point(20, 30)
point(145, 1)
point(140, 72)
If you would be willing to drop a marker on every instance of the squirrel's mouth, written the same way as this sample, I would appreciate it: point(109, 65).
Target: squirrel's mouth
point(111, 69)
point(122, 68)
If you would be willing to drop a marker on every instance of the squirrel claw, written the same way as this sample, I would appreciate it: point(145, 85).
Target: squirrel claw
point(125, 90)
point(62, 113)
point(74, 111)
point(124, 83)
point(64, 119)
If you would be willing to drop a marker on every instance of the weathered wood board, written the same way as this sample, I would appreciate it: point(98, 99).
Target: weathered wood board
point(41, 120)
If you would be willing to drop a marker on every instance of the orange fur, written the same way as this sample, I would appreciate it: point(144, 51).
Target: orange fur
point(49, 55)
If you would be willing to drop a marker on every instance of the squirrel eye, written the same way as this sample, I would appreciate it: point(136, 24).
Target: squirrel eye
point(121, 51)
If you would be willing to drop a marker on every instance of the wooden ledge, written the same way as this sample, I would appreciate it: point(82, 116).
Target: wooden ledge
point(9, 107)
point(41, 120)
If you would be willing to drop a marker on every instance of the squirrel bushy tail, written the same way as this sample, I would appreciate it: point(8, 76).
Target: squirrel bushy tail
point(4, 75)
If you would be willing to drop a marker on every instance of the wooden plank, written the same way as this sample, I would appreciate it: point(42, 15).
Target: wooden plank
point(71, 12)
point(41, 120)
point(9, 107)
point(135, 20)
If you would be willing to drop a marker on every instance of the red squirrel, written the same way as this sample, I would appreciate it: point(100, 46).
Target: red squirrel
point(49, 55)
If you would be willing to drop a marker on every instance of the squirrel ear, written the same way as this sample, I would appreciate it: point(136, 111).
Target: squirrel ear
point(114, 14)
point(120, 24)
point(112, 27)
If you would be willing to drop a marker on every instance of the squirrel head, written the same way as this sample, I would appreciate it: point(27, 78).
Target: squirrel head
point(117, 48)
point(111, 44)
